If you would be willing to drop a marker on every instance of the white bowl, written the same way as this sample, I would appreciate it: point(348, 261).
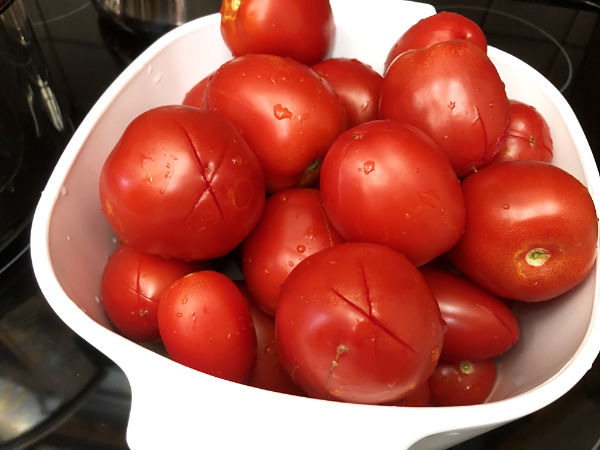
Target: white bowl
point(177, 407)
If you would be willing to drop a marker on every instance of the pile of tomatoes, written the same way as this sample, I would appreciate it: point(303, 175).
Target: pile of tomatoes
point(381, 225)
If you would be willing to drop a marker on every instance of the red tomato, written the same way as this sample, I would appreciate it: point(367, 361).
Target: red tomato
point(462, 383)
point(531, 230)
point(268, 373)
point(301, 29)
point(195, 96)
point(453, 93)
point(443, 26)
point(288, 114)
point(528, 136)
point(293, 226)
point(386, 182)
point(182, 183)
point(357, 322)
point(205, 323)
point(479, 325)
point(131, 286)
point(357, 85)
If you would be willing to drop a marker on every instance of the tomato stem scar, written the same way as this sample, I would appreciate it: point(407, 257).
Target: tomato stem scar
point(341, 349)
point(537, 257)
point(466, 367)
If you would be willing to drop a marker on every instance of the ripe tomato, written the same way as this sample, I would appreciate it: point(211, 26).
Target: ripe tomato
point(288, 114)
point(443, 26)
point(205, 323)
point(452, 92)
point(386, 182)
point(293, 226)
point(528, 135)
point(462, 383)
point(479, 325)
point(301, 29)
point(357, 85)
point(268, 373)
point(357, 322)
point(531, 230)
point(182, 183)
point(131, 286)
point(195, 96)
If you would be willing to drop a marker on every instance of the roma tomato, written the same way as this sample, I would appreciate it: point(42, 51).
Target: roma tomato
point(388, 183)
point(531, 231)
point(462, 383)
point(357, 85)
point(301, 29)
point(293, 226)
point(205, 323)
point(452, 92)
point(528, 136)
point(288, 114)
point(443, 26)
point(478, 324)
point(131, 286)
point(182, 183)
point(357, 322)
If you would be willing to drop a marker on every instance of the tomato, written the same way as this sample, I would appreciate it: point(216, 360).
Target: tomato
point(131, 286)
point(301, 29)
point(293, 226)
point(479, 325)
point(531, 230)
point(182, 183)
point(195, 96)
point(443, 26)
point(462, 383)
point(357, 85)
point(388, 183)
point(357, 322)
point(268, 373)
point(421, 396)
point(288, 114)
point(205, 323)
point(528, 136)
point(452, 92)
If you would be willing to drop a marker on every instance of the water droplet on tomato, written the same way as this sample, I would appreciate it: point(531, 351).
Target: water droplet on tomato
point(368, 167)
point(451, 105)
point(506, 206)
point(291, 263)
point(179, 314)
point(300, 248)
point(364, 106)
point(281, 112)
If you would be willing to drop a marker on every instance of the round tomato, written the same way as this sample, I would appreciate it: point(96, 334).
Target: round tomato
point(357, 322)
point(301, 29)
point(528, 136)
point(357, 85)
point(293, 226)
point(443, 26)
point(182, 183)
point(195, 96)
point(452, 92)
point(478, 324)
point(131, 286)
point(388, 183)
point(288, 114)
point(462, 383)
point(531, 230)
point(205, 323)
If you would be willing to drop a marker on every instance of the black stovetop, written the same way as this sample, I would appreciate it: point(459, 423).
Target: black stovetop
point(82, 53)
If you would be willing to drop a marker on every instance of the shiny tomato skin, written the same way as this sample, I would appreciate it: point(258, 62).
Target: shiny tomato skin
point(529, 135)
point(205, 323)
point(452, 92)
point(479, 325)
point(462, 383)
point(292, 227)
point(195, 96)
point(301, 29)
point(531, 231)
point(386, 182)
point(182, 183)
point(287, 113)
point(357, 85)
point(443, 26)
point(357, 322)
point(131, 285)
